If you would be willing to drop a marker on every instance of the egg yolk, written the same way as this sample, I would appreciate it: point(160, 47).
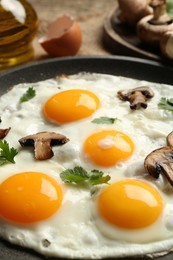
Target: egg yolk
point(107, 147)
point(29, 197)
point(70, 105)
point(130, 204)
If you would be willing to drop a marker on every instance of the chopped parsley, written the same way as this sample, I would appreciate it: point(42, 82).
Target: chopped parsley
point(166, 104)
point(79, 175)
point(29, 94)
point(7, 154)
point(104, 120)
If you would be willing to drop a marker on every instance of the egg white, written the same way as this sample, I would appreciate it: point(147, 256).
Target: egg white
point(77, 230)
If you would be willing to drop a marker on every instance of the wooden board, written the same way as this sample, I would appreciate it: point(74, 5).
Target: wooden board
point(121, 39)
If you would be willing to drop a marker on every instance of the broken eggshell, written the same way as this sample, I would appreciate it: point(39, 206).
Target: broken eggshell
point(63, 37)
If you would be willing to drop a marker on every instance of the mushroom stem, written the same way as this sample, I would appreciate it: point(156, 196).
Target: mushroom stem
point(137, 100)
point(160, 16)
point(42, 150)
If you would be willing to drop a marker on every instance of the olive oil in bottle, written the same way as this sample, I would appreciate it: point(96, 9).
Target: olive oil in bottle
point(18, 26)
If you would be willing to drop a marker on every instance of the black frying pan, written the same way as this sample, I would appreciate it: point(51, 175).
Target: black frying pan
point(116, 65)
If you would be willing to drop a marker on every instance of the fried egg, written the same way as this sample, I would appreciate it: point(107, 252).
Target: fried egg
point(130, 216)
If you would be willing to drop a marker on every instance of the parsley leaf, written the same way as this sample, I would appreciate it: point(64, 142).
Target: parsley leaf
point(78, 175)
point(29, 94)
point(104, 120)
point(98, 178)
point(166, 104)
point(7, 154)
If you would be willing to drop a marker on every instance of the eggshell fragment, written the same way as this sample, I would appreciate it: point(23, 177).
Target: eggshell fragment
point(63, 37)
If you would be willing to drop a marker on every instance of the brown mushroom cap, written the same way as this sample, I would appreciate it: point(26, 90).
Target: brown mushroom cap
point(131, 11)
point(160, 161)
point(137, 96)
point(4, 132)
point(42, 143)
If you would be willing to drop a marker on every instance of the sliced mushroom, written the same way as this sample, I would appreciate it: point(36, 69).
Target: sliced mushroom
point(169, 139)
point(160, 161)
point(4, 132)
point(43, 142)
point(137, 96)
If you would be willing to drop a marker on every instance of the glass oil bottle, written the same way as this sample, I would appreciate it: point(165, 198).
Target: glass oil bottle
point(18, 26)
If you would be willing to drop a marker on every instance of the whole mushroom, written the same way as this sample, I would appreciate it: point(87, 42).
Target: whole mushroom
point(131, 11)
point(151, 28)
